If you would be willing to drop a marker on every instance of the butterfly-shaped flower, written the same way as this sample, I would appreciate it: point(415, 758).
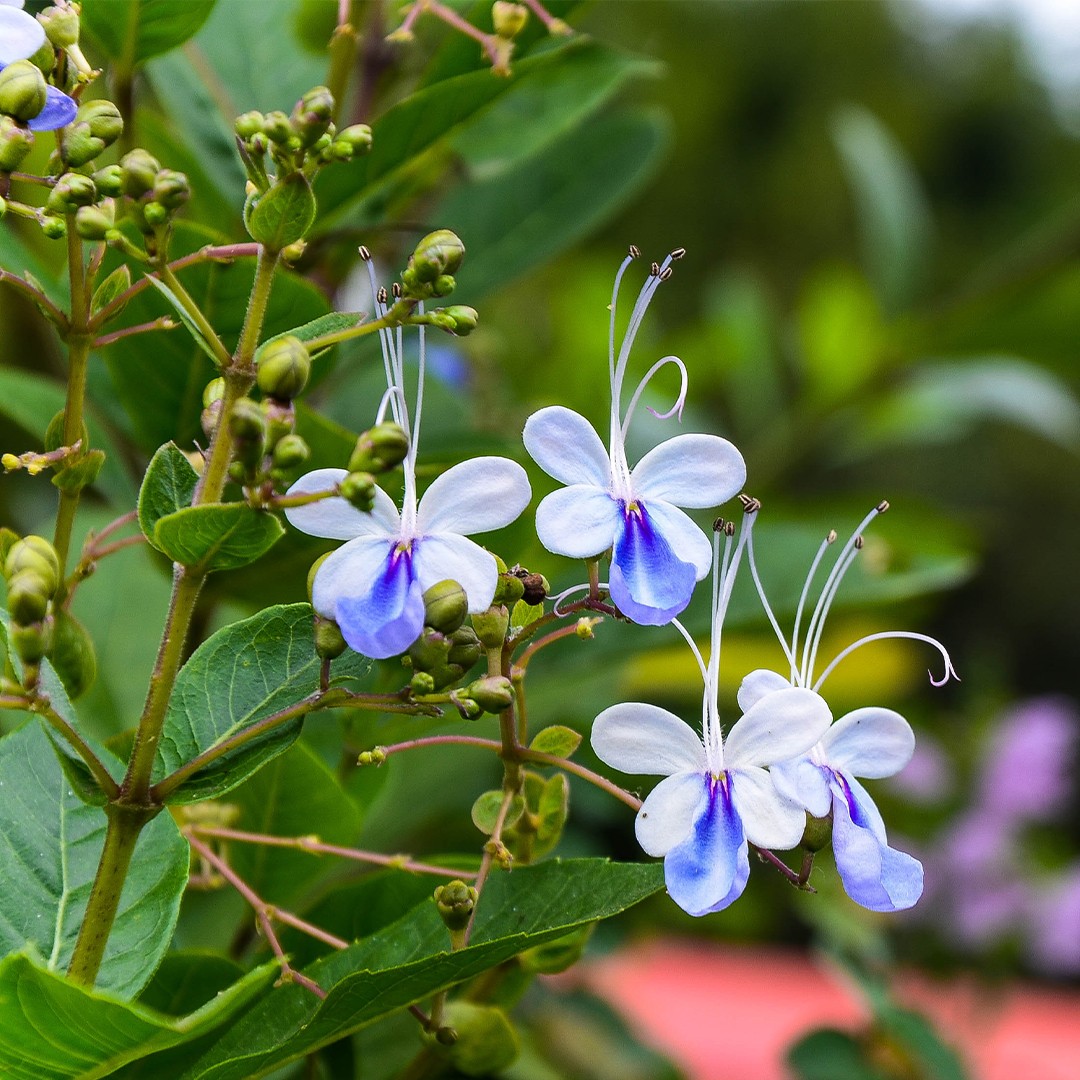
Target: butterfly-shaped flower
point(871, 743)
point(21, 35)
point(658, 553)
point(373, 586)
point(717, 797)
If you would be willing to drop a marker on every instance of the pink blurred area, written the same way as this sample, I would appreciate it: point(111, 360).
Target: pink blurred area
point(721, 1012)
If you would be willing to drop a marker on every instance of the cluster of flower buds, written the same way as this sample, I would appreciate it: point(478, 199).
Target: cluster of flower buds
point(32, 570)
point(431, 270)
point(446, 648)
point(266, 448)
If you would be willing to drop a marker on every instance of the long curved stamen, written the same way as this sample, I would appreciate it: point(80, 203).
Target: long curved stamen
point(688, 638)
point(819, 630)
point(611, 327)
point(397, 403)
point(765, 602)
point(950, 671)
point(560, 597)
point(830, 539)
point(679, 401)
point(390, 397)
point(657, 275)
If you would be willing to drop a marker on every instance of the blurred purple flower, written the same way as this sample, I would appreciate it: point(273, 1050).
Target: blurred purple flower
point(928, 777)
point(1055, 927)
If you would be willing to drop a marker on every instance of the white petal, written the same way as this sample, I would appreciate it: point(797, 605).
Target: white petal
point(782, 725)
point(690, 470)
point(335, 518)
point(579, 521)
point(448, 555)
point(770, 820)
point(21, 35)
point(349, 571)
point(565, 445)
point(667, 814)
point(757, 684)
point(474, 496)
point(869, 742)
point(646, 740)
point(685, 536)
point(804, 783)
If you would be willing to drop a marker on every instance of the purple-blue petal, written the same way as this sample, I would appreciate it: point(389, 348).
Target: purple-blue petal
point(648, 582)
point(709, 870)
point(59, 111)
point(874, 875)
point(390, 617)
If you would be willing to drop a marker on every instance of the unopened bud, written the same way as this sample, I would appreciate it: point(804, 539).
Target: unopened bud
point(493, 694)
point(31, 642)
point(155, 215)
point(22, 90)
point(508, 19)
point(284, 366)
point(171, 189)
point(818, 832)
point(355, 139)
point(464, 319)
point(443, 285)
point(456, 902)
point(380, 449)
point(71, 191)
point(358, 490)
point(445, 606)
point(422, 683)
point(280, 418)
point(509, 590)
point(138, 171)
point(290, 452)
point(329, 642)
point(249, 124)
point(28, 597)
point(465, 648)
point(94, 222)
point(213, 391)
point(429, 650)
point(276, 126)
point(53, 228)
point(437, 254)
point(247, 425)
point(372, 757)
point(61, 25)
point(485, 1043)
point(312, 115)
point(490, 626)
point(36, 554)
point(109, 181)
point(15, 143)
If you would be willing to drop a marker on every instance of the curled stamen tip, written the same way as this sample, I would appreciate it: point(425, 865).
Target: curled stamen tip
point(364, 253)
point(831, 538)
point(634, 252)
point(396, 290)
point(882, 506)
point(666, 273)
point(750, 505)
point(381, 295)
point(677, 254)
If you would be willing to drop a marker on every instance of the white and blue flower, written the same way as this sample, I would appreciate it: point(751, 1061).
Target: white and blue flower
point(871, 743)
point(717, 797)
point(373, 585)
point(21, 35)
point(658, 553)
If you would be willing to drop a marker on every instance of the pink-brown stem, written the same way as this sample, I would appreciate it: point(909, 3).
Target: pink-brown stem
point(452, 18)
point(778, 864)
point(522, 661)
point(164, 323)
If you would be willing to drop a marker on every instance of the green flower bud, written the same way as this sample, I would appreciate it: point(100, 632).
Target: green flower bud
point(443, 285)
point(429, 650)
point(109, 181)
point(438, 253)
point(509, 590)
point(485, 1044)
point(276, 126)
point(445, 606)
point(36, 554)
point(464, 319)
point(31, 643)
point(213, 391)
point(444, 675)
point(422, 683)
point(54, 228)
point(508, 19)
point(312, 115)
point(15, 143)
point(155, 215)
point(284, 367)
point(468, 708)
point(61, 26)
point(71, 191)
point(358, 489)
point(28, 597)
point(493, 693)
point(22, 90)
point(171, 189)
point(93, 222)
point(44, 59)
point(818, 833)
point(248, 429)
point(355, 139)
point(329, 642)
point(456, 902)
point(280, 419)
point(249, 124)
point(291, 452)
point(490, 626)
point(380, 449)
point(71, 653)
point(138, 170)
point(210, 417)
point(465, 648)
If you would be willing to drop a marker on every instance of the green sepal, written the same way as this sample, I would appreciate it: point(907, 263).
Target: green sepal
point(485, 811)
point(72, 653)
point(80, 473)
point(217, 536)
point(283, 214)
point(168, 486)
point(556, 740)
point(117, 283)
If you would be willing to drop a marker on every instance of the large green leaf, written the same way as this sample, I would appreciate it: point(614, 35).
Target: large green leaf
point(133, 31)
point(529, 213)
point(51, 1029)
point(410, 960)
point(168, 486)
point(217, 536)
point(244, 672)
point(49, 853)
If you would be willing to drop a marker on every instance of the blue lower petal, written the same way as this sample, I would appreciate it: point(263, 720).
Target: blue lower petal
point(875, 875)
point(59, 111)
point(390, 617)
point(709, 870)
point(649, 583)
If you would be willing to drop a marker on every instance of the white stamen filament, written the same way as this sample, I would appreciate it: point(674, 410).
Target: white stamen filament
point(679, 401)
point(826, 601)
point(830, 539)
point(764, 600)
point(950, 671)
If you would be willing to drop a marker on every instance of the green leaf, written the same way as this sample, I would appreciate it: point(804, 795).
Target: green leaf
point(551, 814)
point(133, 31)
point(51, 1029)
point(296, 795)
point(217, 536)
point(893, 215)
point(485, 811)
point(168, 486)
point(411, 960)
point(52, 844)
point(829, 1054)
point(283, 214)
point(556, 740)
point(531, 212)
point(184, 315)
point(333, 323)
point(243, 673)
point(521, 614)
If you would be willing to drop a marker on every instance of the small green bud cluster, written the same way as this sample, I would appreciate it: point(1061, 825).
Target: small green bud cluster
point(446, 648)
point(379, 449)
point(97, 125)
point(152, 195)
point(32, 570)
point(267, 452)
point(456, 903)
point(431, 269)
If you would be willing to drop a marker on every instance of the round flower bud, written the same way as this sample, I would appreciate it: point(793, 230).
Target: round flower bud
point(138, 170)
point(36, 554)
point(276, 126)
point(30, 642)
point(380, 448)
point(443, 285)
point(356, 139)
point(445, 606)
point(155, 215)
point(28, 597)
point(104, 120)
point(456, 902)
point(493, 693)
point(78, 145)
point(329, 642)
point(71, 653)
point(93, 222)
point(485, 1044)
point(291, 452)
point(465, 648)
point(280, 419)
point(509, 590)
point(247, 425)
point(171, 189)
point(358, 490)
point(284, 367)
point(249, 124)
point(44, 59)
point(213, 391)
point(71, 191)
point(22, 90)
point(61, 25)
point(508, 19)
point(15, 143)
point(817, 834)
point(463, 319)
point(312, 115)
point(490, 626)
point(429, 650)
point(437, 254)
point(109, 181)
point(422, 683)
point(53, 228)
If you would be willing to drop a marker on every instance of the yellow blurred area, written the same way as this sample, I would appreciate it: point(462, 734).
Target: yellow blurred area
point(876, 674)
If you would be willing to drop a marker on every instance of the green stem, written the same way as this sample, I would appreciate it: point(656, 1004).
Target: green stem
point(52, 312)
point(107, 784)
point(256, 312)
point(342, 59)
point(121, 836)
